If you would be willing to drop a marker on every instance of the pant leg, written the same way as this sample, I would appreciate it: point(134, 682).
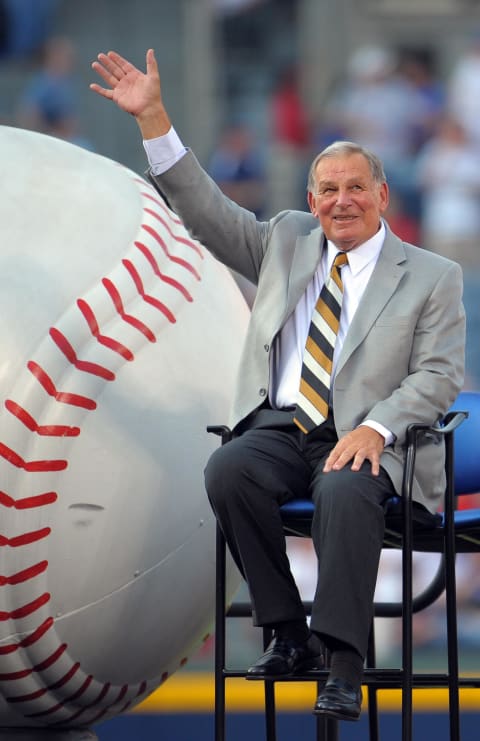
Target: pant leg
point(247, 480)
point(347, 531)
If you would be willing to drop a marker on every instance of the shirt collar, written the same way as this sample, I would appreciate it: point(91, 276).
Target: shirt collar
point(361, 255)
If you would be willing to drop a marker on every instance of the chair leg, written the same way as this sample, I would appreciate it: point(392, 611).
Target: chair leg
point(451, 600)
point(220, 630)
point(407, 624)
point(269, 690)
point(372, 690)
point(327, 729)
point(452, 650)
point(270, 713)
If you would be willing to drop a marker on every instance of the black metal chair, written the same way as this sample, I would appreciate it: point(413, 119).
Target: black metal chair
point(409, 528)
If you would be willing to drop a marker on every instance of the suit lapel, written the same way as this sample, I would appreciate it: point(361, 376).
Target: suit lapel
point(382, 285)
point(308, 252)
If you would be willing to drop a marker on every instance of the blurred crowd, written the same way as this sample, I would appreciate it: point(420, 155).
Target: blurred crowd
point(49, 100)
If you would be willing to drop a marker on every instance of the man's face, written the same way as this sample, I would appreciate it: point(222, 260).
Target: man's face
point(347, 201)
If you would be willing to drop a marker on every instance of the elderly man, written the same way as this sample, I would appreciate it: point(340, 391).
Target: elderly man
point(353, 336)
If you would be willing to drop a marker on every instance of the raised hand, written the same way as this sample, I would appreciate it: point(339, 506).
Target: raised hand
point(135, 92)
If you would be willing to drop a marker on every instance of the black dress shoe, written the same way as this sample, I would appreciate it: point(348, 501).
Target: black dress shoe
point(340, 700)
point(284, 657)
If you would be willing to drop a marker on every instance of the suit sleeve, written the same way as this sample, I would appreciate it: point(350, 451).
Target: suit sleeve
point(436, 365)
point(231, 233)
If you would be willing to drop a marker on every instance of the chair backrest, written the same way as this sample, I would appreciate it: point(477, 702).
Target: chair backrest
point(467, 444)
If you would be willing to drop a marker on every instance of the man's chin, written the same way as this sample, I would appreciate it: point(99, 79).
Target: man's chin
point(344, 243)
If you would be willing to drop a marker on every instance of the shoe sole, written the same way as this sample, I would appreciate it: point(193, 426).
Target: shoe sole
point(309, 665)
point(336, 715)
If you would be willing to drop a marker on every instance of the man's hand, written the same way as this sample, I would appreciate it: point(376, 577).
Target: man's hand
point(134, 91)
point(362, 444)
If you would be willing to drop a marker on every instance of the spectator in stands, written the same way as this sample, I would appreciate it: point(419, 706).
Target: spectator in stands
point(49, 102)
point(401, 222)
point(449, 178)
point(290, 143)
point(464, 90)
point(380, 109)
point(417, 68)
point(237, 167)
point(24, 26)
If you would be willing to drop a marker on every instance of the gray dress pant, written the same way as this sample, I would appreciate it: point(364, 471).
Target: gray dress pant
point(273, 462)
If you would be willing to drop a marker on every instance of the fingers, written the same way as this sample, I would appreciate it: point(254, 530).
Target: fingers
point(337, 459)
point(120, 65)
point(360, 458)
point(106, 75)
point(101, 91)
point(152, 67)
point(363, 444)
point(102, 72)
point(108, 69)
point(111, 67)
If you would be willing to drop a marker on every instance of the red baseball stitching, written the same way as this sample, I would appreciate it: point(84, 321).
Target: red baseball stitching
point(81, 365)
point(148, 299)
point(102, 339)
point(182, 240)
point(33, 426)
point(29, 640)
point(165, 278)
point(24, 611)
point(24, 575)
point(38, 500)
point(118, 304)
point(103, 692)
point(40, 466)
point(25, 538)
point(178, 260)
point(61, 396)
point(158, 203)
point(31, 466)
point(40, 693)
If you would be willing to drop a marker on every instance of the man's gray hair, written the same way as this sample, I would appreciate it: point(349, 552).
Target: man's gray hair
point(345, 148)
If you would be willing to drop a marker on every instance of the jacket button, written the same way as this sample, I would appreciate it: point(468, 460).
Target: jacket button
point(263, 392)
point(266, 348)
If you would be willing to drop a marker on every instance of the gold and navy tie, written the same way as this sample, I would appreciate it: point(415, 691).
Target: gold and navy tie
point(314, 392)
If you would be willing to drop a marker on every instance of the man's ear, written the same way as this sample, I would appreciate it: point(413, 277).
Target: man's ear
point(384, 197)
point(311, 204)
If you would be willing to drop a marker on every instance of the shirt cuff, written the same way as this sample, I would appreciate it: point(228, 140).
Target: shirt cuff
point(164, 151)
point(389, 436)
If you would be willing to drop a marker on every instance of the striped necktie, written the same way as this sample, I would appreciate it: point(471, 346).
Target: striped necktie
point(314, 392)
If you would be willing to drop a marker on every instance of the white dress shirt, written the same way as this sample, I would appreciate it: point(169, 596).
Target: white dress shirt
point(164, 151)
point(293, 335)
point(287, 353)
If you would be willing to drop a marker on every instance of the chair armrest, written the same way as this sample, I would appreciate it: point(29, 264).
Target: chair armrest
point(448, 424)
point(445, 429)
point(222, 431)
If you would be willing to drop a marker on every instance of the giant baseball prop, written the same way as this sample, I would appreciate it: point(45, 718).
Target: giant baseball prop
point(119, 340)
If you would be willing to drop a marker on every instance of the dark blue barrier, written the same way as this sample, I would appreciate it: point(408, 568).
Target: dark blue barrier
point(242, 726)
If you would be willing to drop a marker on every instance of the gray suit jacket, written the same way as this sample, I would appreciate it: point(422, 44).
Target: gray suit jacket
point(403, 356)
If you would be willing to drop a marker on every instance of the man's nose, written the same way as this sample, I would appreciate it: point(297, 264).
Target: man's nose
point(343, 197)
